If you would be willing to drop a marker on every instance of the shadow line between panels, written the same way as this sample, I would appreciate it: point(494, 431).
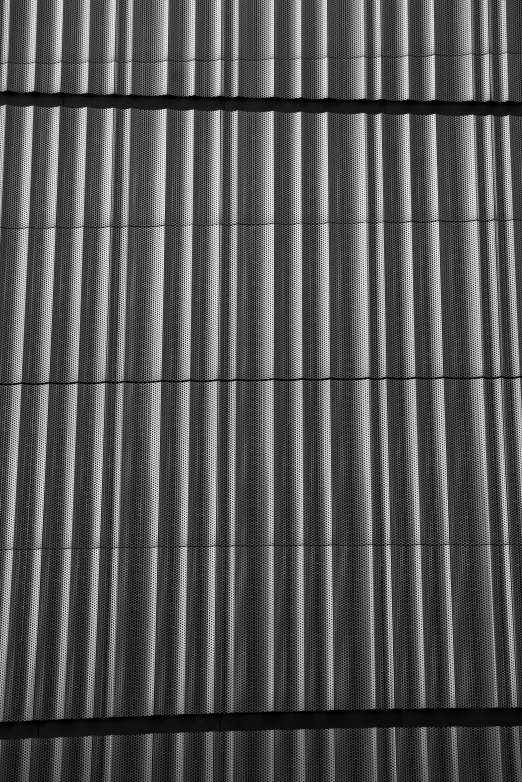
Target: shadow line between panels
point(273, 58)
point(284, 105)
point(320, 720)
point(296, 224)
point(332, 378)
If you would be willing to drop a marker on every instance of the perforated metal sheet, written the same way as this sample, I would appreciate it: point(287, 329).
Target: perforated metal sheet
point(172, 630)
point(261, 302)
point(431, 49)
point(101, 168)
point(271, 463)
point(254, 544)
point(368, 755)
point(211, 245)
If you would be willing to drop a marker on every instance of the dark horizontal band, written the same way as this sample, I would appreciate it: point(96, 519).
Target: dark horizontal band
point(187, 723)
point(260, 104)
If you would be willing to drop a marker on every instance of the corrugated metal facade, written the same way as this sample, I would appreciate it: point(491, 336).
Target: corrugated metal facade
point(302, 531)
point(64, 167)
point(257, 302)
point(372, 755)
point(143, 630)
point(217, 245)
point(260, 387)
point(395, 49)
point(272, 463)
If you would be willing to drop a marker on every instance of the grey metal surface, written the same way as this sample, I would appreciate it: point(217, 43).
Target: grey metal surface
point(169, 630)
point(233, 478)
point(244, 302)
point(212, 245)
point(429, 49)
point(261, 463)
point(368, 755)
point(101, 168)
point(263, 544)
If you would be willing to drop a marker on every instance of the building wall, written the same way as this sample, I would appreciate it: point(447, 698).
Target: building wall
point(456, 50)
point(368, 755)
point(260, 386)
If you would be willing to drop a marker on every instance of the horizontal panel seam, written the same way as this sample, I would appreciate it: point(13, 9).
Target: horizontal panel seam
point(344, 223)
point(274, 58)
point(266, 104)
point(333, 378)
point(262, 721)
point(201, 546)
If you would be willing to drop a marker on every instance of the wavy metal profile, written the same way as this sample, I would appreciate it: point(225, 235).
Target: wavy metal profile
point(399, 755)
point(435, 49)
point(148, 246)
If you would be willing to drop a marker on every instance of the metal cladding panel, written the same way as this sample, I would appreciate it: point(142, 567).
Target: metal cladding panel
point(366, 754)
point(98, 168)
point(303, 533)
point(432, 49)
point(190, 630)
point(244, 302)
point(261, 463)
point(183, 246)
